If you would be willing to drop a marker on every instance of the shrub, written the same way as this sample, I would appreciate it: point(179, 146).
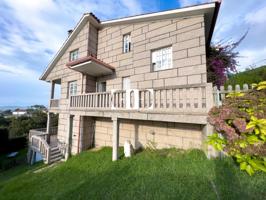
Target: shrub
point(222, 61)
point(240, 125)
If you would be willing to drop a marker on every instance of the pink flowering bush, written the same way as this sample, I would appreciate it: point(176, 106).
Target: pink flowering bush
point(240, 125)
point(221, 61)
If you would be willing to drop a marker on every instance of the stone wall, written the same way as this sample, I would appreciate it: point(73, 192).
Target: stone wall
point(185, 35)
point(141, 133)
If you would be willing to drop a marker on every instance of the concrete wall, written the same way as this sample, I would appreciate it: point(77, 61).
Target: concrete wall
point(141, 133)
point(186, 36)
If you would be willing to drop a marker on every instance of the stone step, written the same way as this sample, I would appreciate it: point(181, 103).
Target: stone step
point(56, 155)
point(55, 152)
point(56, 159)
point(55, 148)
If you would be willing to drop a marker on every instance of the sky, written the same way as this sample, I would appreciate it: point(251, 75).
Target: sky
point(32, 31)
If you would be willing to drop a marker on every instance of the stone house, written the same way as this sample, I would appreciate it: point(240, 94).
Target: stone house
point(140, 78)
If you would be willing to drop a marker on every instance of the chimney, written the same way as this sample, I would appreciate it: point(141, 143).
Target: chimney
point(69, 32)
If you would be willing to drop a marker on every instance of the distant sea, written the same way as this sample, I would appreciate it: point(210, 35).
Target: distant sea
point(12, 107)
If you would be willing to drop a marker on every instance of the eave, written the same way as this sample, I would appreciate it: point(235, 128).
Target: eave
point(91, 66)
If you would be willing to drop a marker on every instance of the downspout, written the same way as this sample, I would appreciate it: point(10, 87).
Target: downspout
point(79, 135)
point(82, 91)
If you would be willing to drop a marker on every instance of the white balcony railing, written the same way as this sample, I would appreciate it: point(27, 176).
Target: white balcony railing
point(176, 99)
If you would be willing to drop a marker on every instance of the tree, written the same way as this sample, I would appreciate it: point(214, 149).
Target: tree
point(7, 113)
point(20, 126)
point(4, 122)
point(221, 61)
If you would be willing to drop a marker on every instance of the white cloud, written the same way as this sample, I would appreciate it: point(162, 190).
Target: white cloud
point(133, 6)
point(256, 17)
point(19, 72)
point(234, 20)
point(184, 3)
point(47, 21)
point(251, 58)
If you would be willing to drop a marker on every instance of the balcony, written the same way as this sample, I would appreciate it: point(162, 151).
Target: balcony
point(181, 100)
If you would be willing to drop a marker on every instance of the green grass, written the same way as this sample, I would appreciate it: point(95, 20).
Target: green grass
point(166, 174)
point(20, 168)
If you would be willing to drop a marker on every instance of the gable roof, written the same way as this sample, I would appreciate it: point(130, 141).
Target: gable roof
point(210, 10)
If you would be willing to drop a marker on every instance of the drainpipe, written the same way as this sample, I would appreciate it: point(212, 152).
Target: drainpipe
point(78, 135)
point(82, 84)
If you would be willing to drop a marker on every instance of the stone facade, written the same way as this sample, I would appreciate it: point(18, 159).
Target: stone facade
point(186, 36)
point(144, 133)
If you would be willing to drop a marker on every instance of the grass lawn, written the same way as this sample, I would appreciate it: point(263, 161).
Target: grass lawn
point(166, 174)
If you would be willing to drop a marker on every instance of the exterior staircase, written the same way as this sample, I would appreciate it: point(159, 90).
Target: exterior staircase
point(46, 145)
point(55, 155)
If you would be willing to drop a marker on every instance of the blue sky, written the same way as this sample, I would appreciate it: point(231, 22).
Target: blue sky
point(31, 32)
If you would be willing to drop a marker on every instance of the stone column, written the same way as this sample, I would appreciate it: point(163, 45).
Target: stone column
point(81, 134)
point(52, 89)
point(209, 150)
point(115, 138)
point(69, 136)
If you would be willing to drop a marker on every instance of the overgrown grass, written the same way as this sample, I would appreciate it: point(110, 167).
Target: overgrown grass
point(166, 174)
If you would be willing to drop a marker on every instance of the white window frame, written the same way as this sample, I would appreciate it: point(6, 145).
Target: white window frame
point(126, 83)
point(72, 88)
point(74, 55)
point(162, 58)
point(101, 86)
point(126, 43)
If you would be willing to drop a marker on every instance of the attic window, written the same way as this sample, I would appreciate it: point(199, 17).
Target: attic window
point(74, 55)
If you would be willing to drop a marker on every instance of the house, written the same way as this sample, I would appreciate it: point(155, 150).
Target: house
point(19, 112)
point(140, 79)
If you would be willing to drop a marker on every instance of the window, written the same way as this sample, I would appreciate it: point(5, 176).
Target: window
point(162, 59)
point(126, 83)
point(74, 55)
point(72, 88)
point(101, 86)
point(126, 43)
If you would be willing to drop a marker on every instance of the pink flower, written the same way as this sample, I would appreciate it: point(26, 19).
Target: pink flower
point(240, 124)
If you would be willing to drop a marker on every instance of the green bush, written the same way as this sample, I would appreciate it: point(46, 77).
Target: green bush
point(240, 125)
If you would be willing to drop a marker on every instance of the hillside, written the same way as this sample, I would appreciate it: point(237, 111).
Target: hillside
point(249, 77)
point(165, 174)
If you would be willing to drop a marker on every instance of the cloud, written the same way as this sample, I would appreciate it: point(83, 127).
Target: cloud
point(251, 58)
point(19, 72)
point(256, 17)
point(234, 20)
point(32, 31)
point(184, 3)
point(21, 87)
point(38, 26)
